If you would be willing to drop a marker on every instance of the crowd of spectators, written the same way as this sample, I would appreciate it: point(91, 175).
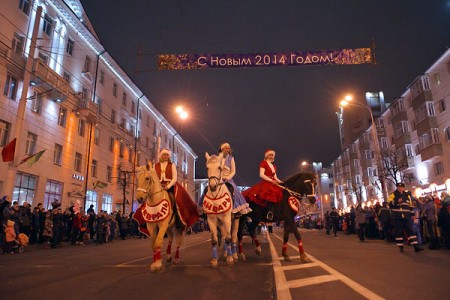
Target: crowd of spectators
point(51, 227)
point(431, 221)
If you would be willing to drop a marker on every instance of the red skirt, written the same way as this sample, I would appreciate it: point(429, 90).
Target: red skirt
point(262, 192)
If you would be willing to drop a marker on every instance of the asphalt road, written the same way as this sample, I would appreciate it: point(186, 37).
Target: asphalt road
point(341, 268)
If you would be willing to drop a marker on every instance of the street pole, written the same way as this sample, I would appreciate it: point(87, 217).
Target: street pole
point(158, 142)
point(376, 145)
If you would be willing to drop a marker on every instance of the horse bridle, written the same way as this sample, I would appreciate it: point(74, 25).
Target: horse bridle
point(216, 179)
point(148, 188)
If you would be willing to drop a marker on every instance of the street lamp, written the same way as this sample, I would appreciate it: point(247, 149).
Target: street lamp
point(348, 100)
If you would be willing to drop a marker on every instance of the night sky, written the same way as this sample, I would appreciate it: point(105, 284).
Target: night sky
point(288, 109)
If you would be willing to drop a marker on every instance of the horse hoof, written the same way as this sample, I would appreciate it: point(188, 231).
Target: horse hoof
point(156, 267)
point(242, 257)
point(169, 259)
point(176, 261)
point(213, 262)
point(258, 250)
point(305, 259)
point(286, 257)
point(235, 257)
point(230, 261)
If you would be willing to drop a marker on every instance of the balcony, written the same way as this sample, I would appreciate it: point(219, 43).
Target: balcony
point(14, 62)
point(88, 110)
point(399, 116)
point(431, 151)
point(404, 138)
point(43, 76)
point(421, 98)
point(426, 125)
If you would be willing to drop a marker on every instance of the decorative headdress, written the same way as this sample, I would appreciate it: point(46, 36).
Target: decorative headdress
point(268, 151)
point(164, 151)
point(223, 145)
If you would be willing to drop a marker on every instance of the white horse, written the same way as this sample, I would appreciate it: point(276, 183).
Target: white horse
point(157, 210)
point(218, 206)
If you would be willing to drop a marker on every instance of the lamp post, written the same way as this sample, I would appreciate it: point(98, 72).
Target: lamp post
point(158, 142)
point(182, 115)
point(376, 144)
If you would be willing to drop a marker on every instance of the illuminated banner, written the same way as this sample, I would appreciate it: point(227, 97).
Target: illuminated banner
point(308, 58)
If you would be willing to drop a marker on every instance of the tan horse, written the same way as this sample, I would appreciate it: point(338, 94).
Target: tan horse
point(157, 210)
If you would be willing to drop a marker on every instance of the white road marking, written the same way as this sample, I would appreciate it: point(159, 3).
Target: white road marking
point(148, 257)
point(334, 275)
point(280, 279)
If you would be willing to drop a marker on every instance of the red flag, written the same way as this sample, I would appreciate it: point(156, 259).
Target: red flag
point(8, 151)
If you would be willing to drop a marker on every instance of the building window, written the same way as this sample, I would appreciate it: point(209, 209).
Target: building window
point(62, 117)
point(371, 172)
point(384, 142)
point(10, 89)
point(94, 168)
point(114, 91)
point(409, 150)
point(109, 171)
point(57, 154)
point(66, 77)
point(17, 43)
point(96, 136)
point(48, 24)
point(437, 78)
point(111, 143)
point(87, 64)
point(113, 116)
point(77, 162)
point(430, 109)
point(84, 94)
point(401, 128)
point(368, 154)
point(102, 77)
point(53, 193)
point(24, 5)
point(24, 188)
point(447, 133)
point(442, 106)
point(91, 199)
point(30, 147)
point(5, 129)
point(81, 127)
point(124, 99)
point(438, 168)
point(36, 102)
point(133, 107)
point(429, 138)
point(107, 203)
point(121, 149)
point(70, 46)
point(99, 106)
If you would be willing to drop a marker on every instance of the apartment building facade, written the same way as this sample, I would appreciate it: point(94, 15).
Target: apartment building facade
point(65, 98)
point(414, 144)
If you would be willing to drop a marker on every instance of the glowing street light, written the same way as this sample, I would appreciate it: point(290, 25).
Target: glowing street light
point(348, 100)
point(182, 115)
